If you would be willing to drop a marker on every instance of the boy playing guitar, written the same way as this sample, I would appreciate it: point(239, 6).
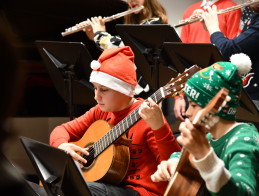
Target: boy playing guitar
point(227, 156)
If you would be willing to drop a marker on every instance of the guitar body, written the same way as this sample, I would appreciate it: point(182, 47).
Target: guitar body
point(112, 164)
point(186, 180)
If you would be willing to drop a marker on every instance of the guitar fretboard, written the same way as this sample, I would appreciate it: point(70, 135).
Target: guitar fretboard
point(123, 126)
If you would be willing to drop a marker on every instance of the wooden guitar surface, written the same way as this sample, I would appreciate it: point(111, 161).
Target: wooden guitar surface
point(186, 180)
point(112, 164)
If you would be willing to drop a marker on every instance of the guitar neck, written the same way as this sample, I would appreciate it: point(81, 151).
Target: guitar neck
point(123, 126)
point(173, 88)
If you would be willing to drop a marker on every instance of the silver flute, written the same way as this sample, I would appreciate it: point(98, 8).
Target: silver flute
point(75, 29)
point(223, 11)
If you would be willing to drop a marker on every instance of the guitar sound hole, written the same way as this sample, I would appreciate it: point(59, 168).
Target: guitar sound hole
point(89, 158)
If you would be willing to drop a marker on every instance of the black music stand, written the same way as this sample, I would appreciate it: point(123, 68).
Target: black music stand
point(12, 181)
point(187, 54)
point(146, 42)
point(56, 169)
point(68, 64)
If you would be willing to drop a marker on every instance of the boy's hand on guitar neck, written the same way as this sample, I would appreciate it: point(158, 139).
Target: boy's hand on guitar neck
point(73, 150)
point(194, 140)
point(152, 114)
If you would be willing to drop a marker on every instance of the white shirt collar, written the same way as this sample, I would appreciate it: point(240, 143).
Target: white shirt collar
point(207, 3)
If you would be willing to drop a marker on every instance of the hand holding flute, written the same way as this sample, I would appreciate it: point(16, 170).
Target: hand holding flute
point(210, 20)
point(92, 26)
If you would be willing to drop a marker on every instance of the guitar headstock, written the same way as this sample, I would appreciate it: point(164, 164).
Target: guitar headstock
point(205, 118)
point(176, 85)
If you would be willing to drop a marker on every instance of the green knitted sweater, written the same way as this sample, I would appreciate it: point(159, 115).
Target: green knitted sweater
point(232, 165)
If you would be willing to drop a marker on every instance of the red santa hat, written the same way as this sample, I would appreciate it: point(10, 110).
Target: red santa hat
point(115, 69)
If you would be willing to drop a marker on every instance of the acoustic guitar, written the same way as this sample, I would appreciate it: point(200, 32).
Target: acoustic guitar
point(108, 146)
point(186, 180)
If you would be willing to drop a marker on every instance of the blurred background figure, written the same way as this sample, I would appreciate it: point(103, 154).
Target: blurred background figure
point(11, 182)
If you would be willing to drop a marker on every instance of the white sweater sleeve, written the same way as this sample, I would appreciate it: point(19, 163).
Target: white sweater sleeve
point(212, 170)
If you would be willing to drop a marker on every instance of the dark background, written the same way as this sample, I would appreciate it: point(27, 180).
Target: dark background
point(27, 21)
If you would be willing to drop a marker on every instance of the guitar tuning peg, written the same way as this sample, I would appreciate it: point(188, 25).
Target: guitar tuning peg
point(179, 74)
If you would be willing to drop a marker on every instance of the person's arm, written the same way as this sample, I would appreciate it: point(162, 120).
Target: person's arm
point(97, 33)
point(160, 139)
point(211, 19)
point(210, 167)
point(223, 172)
point(237, 174)
point(213, 23)
point(61, 136)
point(179, 107)
point(212, 170)
point(105, 40)
point(152, 114)
point(247, 42)
point(165, 171)
point(93, 25)
point(73, 130)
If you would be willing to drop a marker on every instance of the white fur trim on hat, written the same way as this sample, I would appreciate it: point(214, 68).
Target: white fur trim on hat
point(112, 82)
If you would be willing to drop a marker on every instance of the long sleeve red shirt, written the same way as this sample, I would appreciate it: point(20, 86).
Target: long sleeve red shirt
point(148, 148)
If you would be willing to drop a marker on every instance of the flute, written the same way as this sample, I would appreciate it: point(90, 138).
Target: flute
point(223, 11)
point(75, 29)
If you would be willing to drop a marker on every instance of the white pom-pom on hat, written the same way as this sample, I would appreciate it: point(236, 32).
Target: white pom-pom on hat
point(95, 64)
point(242, 61)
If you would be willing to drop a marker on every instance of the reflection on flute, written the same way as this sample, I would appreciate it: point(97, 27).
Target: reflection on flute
point(198, 18)
point(75, 29)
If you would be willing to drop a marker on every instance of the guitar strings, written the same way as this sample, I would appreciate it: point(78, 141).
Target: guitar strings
point(119, 129)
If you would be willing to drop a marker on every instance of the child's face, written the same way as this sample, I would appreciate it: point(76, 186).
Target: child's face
point(110, 100)
point(192, 110)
